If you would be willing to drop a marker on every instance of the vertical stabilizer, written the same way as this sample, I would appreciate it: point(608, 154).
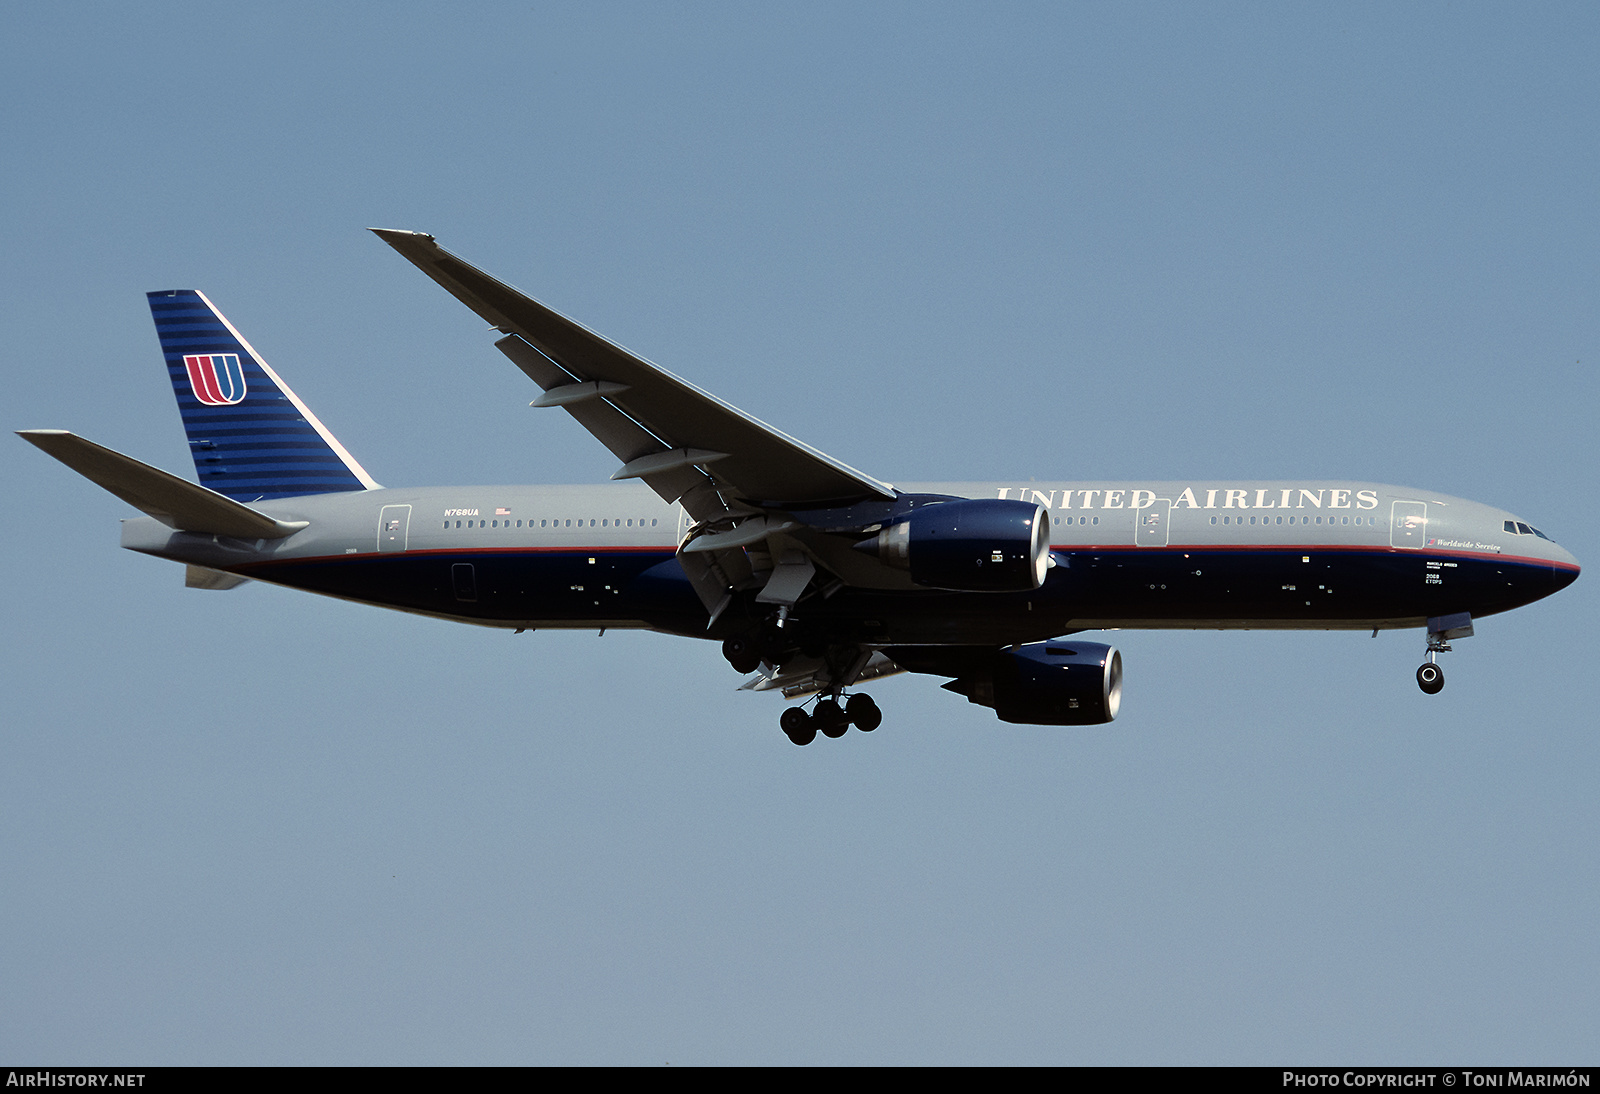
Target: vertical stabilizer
point(251, 437)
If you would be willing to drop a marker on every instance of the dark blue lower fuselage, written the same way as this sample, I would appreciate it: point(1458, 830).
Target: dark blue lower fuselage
point(1298, 587)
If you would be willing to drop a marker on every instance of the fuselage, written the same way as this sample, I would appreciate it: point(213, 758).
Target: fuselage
point(1283, 554)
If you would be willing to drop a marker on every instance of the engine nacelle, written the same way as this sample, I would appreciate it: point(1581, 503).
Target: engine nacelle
point(1056, 683)
point(980, 546)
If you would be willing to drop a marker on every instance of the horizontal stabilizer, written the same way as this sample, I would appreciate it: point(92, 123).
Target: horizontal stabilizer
point(177, 503)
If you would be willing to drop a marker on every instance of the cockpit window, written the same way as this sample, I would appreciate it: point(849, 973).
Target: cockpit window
point(1517, 528)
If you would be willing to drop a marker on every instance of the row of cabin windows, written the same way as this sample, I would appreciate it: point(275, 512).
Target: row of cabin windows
point(619, 523)
point(1303, 520)
point(1264, 520)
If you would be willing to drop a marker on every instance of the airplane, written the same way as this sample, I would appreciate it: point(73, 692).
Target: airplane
point(815, 577)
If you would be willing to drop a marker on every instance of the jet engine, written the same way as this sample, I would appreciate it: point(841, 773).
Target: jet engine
point(1056, 683)
point(978, 546)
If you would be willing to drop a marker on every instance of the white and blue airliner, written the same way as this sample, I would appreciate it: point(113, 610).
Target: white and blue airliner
point(815, 577)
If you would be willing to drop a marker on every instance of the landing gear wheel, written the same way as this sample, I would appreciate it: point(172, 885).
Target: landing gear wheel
point(862, 711)
point(799, 726)
point(830, 719)
point(741, 654)
point(1430, 678)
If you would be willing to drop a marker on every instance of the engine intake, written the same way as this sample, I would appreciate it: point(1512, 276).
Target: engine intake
point(982, 545)
point(1058, 683)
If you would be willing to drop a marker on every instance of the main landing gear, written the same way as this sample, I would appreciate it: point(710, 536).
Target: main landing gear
point(830, 719)
point(742, 654)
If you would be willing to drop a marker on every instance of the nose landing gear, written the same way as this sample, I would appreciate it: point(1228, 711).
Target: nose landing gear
point(830, 719)
point(1430, 677)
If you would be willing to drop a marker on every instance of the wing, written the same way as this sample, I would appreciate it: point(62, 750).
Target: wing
point(739, 478)
point(685, 443)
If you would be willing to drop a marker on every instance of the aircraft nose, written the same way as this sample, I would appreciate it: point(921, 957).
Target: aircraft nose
point(1564, 569)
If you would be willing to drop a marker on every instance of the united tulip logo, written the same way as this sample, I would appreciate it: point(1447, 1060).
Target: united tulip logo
point(216, 378)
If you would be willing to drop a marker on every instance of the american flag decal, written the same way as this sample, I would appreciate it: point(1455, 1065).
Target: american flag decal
point(216, 378)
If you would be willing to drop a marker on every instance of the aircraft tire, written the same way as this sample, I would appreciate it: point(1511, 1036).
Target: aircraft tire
point(798, 726)
point(1430, 678)
point(864, 713)
point(741, 655)
point(830, 719)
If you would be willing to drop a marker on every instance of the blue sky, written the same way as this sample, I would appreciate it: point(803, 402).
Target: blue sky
point(938, 242)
